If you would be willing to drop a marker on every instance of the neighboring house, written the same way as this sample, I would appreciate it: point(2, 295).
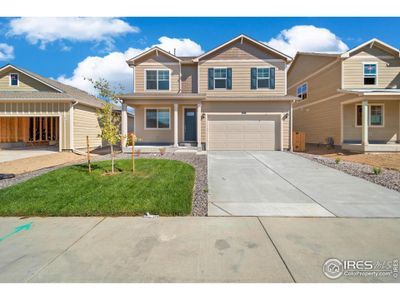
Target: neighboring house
point(352, 99)
point(230, 98)
point(35, 110)
point(131, 118)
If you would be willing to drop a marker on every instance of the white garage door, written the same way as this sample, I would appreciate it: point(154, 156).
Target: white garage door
point(242, 132)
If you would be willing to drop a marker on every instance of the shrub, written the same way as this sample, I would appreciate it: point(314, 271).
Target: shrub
point(162, 151)
point(377, 170)
point(337, 160)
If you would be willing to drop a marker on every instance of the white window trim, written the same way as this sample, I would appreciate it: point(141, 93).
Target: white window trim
point(369, 115)
point(9, 82)
point(226, 78)
point(376, 75)
point(268, 88)
point(157, 90)
point(304, 83)
point(157, 108)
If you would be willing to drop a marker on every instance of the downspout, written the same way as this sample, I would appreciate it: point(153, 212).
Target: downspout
point(71, 125)
point(291, 125)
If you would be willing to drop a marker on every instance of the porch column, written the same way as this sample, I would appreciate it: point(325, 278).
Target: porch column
point(175, 125)
point(365, 121)
point(124, 124)
point(198, 125)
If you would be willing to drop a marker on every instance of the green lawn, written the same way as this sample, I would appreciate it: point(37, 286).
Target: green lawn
point(158, 186)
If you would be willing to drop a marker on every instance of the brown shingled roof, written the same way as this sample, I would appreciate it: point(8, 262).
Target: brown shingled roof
point(67, 91)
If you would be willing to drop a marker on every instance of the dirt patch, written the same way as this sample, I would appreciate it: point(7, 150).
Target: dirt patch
point(387, 178)
point(390, 161)
point(31, 164)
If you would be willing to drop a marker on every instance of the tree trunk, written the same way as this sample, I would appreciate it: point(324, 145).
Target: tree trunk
point(112, 158)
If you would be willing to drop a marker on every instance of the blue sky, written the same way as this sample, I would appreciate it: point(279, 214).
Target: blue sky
point(54, 49)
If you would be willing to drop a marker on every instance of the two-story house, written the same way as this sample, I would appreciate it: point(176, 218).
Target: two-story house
point(232, 97)
point(351, 99)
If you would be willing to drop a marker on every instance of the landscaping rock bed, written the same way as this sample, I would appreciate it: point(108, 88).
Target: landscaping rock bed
point(388, 178)
point(199, 162)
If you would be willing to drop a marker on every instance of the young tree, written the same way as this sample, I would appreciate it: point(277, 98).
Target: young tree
point(109, 124)
point(109, 121)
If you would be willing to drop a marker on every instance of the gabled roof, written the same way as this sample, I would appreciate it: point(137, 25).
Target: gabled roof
point(371, 43)
point(155, 48)
point(61, 91)
point(318, 54)
point(245, 37)
point(27, 73)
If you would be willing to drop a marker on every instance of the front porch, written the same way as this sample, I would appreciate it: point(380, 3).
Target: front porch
point(371, 124)
point(164, 122)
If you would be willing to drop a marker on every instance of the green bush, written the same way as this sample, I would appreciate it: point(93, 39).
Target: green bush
point(377, 170)
point(337, 160)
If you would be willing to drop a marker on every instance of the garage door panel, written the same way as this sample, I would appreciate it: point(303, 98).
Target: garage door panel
point(241, 132)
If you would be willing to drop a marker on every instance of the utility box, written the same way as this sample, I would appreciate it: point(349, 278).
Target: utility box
point(299, 141)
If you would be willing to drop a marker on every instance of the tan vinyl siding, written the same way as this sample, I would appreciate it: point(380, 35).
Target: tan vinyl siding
point(86, 124)
point(154, 62)
point(26, 83)
point(279, 108)
point(241, 77)
point(321, 86)
point(241, 51)
point(203, 130)
point(319, 114)
point(306, 65)
point(389, 133)
point(388, 69)
point(319, 122)
point(26, 109)
point(153, 135)
point(189, 78)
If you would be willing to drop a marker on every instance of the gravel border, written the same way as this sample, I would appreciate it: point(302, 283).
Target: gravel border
point(199, 162)
point(388, 178)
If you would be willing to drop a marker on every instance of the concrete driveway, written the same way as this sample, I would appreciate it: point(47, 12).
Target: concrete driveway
point(14, 154)
point(191, 249)
point(273, 183)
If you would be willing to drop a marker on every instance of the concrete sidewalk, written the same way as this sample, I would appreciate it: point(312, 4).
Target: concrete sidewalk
point(190, 249)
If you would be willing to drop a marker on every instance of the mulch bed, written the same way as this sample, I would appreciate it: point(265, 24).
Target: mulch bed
point(388, 178)
point(199, 162)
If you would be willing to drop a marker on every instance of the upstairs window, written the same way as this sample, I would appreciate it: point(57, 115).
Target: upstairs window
point(14, 79)
point(369, 74)
point(263, 78)
point(157, 80)
point(302, 91)
point(220, 78)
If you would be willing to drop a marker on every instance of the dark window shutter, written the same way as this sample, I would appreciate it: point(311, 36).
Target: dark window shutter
point(229, 78)
point(210, 78)
point(272, 75)
point(253, 83)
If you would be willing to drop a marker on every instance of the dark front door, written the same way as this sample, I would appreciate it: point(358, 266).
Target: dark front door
point(190, 124)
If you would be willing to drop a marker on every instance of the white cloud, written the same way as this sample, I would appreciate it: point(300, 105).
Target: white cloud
point(46, 30)
point(6, 52)
point(183, 47)
point(307, 38)
point(113, 67)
